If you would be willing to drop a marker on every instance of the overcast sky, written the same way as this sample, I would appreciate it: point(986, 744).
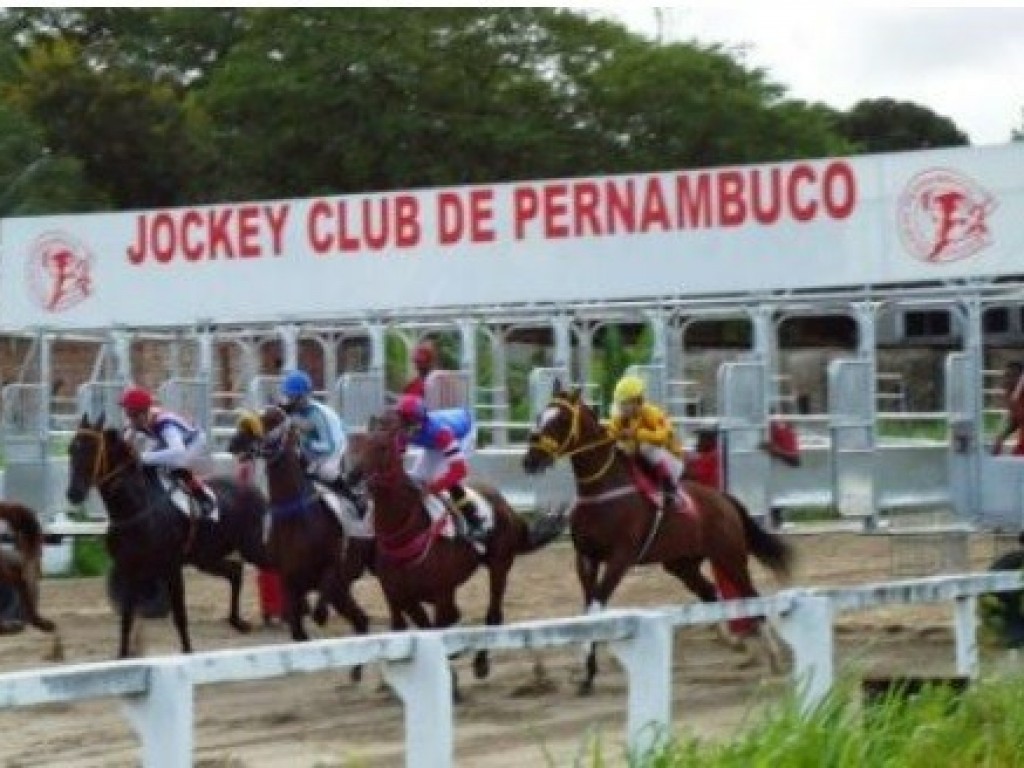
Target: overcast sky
point(964, 63)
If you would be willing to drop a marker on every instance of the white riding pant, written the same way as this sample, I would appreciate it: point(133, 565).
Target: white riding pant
point(430, 465)
point(663, 459)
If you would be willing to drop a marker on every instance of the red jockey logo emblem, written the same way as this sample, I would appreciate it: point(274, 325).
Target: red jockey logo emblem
point(58, 272)
point(943, 216)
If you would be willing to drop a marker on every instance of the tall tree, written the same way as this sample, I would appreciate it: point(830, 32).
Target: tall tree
point(887, 125)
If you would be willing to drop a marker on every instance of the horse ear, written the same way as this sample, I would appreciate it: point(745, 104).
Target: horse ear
point(556, 386)
point(100, 420)
point(577, 394)
point(84, 423)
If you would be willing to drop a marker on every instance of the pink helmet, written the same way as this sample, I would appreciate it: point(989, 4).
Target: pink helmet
point(135, 399)
point(411, 409)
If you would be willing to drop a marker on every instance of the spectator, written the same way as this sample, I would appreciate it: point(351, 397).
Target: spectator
point(424, 357)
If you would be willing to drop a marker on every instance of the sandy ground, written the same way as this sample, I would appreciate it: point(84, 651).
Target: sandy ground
point(324, 720)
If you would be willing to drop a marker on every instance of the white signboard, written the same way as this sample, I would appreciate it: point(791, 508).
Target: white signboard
point(807, 224)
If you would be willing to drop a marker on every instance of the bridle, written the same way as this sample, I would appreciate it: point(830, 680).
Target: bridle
point(573, 444)
point(270, 445)
point(103, 470)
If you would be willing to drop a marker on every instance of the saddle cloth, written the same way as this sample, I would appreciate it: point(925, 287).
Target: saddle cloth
point(436, 507)
point(354, 526)
point(184, 502)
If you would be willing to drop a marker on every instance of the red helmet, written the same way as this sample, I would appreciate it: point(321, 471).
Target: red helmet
point(411, 409)
point(135, 399)
point(424, 354)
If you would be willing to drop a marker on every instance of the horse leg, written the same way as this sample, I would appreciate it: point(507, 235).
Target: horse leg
point(29, 594)
point(232, 571)
point(497, 583)
point(339, 591)
point(447, 614)
point(176, 588)
point(127, 618)
point(688, 571)
point(601, 593)
point(295, 602)
point(734, 581)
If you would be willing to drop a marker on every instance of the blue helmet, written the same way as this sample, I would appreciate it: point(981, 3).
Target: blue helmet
point(296, 384)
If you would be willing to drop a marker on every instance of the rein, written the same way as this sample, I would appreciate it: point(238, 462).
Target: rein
point(566, 449)
point(99, 478)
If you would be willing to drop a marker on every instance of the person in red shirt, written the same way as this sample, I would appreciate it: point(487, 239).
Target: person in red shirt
point(424, 357)
point(704, 465)
point(1013, 393)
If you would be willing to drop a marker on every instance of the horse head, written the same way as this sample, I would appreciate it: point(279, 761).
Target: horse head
point(378, 455)
point(565, 427)
point(96, 457)
point(266, 434)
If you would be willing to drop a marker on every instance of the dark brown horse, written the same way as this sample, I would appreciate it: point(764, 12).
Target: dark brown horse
point(307, 542)
point(616, 525)
point(22, 569)
point(150, 540)
point(417, 565)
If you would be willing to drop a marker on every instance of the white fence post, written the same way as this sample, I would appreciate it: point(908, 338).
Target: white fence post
point(807, 627)
point(965, 616)
point(647, 657)
point(163, 716)
point(424, 684)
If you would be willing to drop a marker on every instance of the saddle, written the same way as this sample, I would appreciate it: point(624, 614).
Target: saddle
point(183, 498)
point(357, 523)
point(649, 486)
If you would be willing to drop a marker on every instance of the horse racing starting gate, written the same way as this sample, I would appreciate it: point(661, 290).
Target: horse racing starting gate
point(158, 692)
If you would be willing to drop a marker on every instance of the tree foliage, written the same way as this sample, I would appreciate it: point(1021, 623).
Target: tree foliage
point(140, 107)
point(887, 125)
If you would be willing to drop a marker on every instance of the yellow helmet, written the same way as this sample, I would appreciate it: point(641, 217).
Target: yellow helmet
point(628, 388)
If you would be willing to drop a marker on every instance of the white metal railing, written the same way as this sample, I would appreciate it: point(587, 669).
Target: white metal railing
point(158, 692)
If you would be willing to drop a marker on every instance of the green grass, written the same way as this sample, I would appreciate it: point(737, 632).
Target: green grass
point(982, 727)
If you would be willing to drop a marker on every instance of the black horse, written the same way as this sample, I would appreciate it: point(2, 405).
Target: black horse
point(150, 540)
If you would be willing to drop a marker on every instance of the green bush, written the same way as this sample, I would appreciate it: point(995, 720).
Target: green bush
point(89, 557)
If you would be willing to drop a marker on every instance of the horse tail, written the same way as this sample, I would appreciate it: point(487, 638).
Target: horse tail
point(541, 530)
point(25, 527)
point(769, 548)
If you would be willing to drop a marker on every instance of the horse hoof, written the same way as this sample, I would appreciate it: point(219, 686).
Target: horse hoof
point(320, 615)
point(356, 674)
point(481, 667)
point(241, 625)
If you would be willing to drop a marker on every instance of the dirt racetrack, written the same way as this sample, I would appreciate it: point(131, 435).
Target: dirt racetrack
point(324, 720)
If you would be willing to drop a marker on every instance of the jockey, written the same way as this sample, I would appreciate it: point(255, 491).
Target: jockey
point(322, 437)
point(177, 444)
point(643, 429)
point(446, 437)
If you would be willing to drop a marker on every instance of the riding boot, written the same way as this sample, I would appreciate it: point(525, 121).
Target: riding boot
point(343, 489)
point(670, 486)
point(474, 524)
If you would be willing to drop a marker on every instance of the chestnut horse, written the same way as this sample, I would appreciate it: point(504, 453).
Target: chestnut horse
point(150, 540)
point(307, 543)
point(617, 525)
point(22, 570)
point(415, 563)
